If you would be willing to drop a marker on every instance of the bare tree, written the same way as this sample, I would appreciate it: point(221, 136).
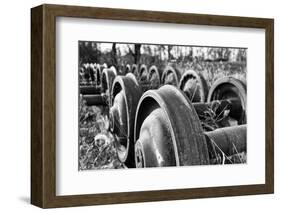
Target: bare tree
point(169, 52)
point(114, 55)
point(137, 53)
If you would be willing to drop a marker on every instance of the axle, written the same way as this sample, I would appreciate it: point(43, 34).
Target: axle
point(231, 105)
point(229, 140)
point(90, 90)
point(92, 100)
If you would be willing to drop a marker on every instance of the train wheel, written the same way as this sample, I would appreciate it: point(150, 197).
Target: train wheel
point(229, 88)
point(143, 74)
point(171, 76)
point(125, 94)
point(135, 70)
point(108, 76)
point(133, 77)
point(154, 77)
point(194, 85)
point(128, 68)
point(168, 131)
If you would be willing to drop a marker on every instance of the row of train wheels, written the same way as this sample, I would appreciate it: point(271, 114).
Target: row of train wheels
point(160, 118)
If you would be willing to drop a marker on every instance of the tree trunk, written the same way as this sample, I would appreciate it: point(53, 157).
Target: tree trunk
point(114, 55)
point(137, 53)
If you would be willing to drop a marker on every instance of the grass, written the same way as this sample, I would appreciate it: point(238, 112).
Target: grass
point(96, 143)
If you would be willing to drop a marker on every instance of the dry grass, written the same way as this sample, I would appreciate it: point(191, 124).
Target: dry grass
point(96, 144)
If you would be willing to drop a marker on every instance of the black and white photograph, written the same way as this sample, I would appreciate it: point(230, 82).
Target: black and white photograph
point(156, 105)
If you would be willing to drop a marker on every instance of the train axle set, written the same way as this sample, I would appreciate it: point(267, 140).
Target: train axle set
point(169, 117)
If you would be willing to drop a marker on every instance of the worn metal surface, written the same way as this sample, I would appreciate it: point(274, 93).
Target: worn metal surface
point(143, 74)
point(148, 79)
point(89, 90)
point(92, 100)
point(194, 85)
point(229, 140)
point(128, 68)
point(125, 96)
point(133, 77)
point(171, 76)
point(108, 76)
point(154, 148)
point(154, 77)
point(231, 88)
point(100, 69)
point(135, 70)
point(168, 131)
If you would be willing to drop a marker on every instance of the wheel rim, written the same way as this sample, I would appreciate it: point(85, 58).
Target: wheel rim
point(231, 88)
point(92, 72)
point(135, 70)
point(98, 74)
point(128, 93)
point(194, 86)
point(133, 77)
point(128, 68)
point(143, 74)
point(171, 76)
point(108, 76)
point(154, 77)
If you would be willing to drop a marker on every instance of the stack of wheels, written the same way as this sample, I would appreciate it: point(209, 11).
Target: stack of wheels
point(94, 72)
point(91, 93)
point(146, 78)
point(168, 132)
point(122, 114)
point(125, 94)
point(191, 82)
point(165, 127)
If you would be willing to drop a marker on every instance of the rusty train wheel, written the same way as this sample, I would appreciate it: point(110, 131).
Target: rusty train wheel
point(235, 90)
point(171, 76)
point(128, 68)
point(92, 71)
point(133, 77)
point(143, 74)
point(194, 86)
point(154, 77)
point(135, 70)
point(125, 96)
point(99, 73)
point(168, 131)
point(107, 78)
